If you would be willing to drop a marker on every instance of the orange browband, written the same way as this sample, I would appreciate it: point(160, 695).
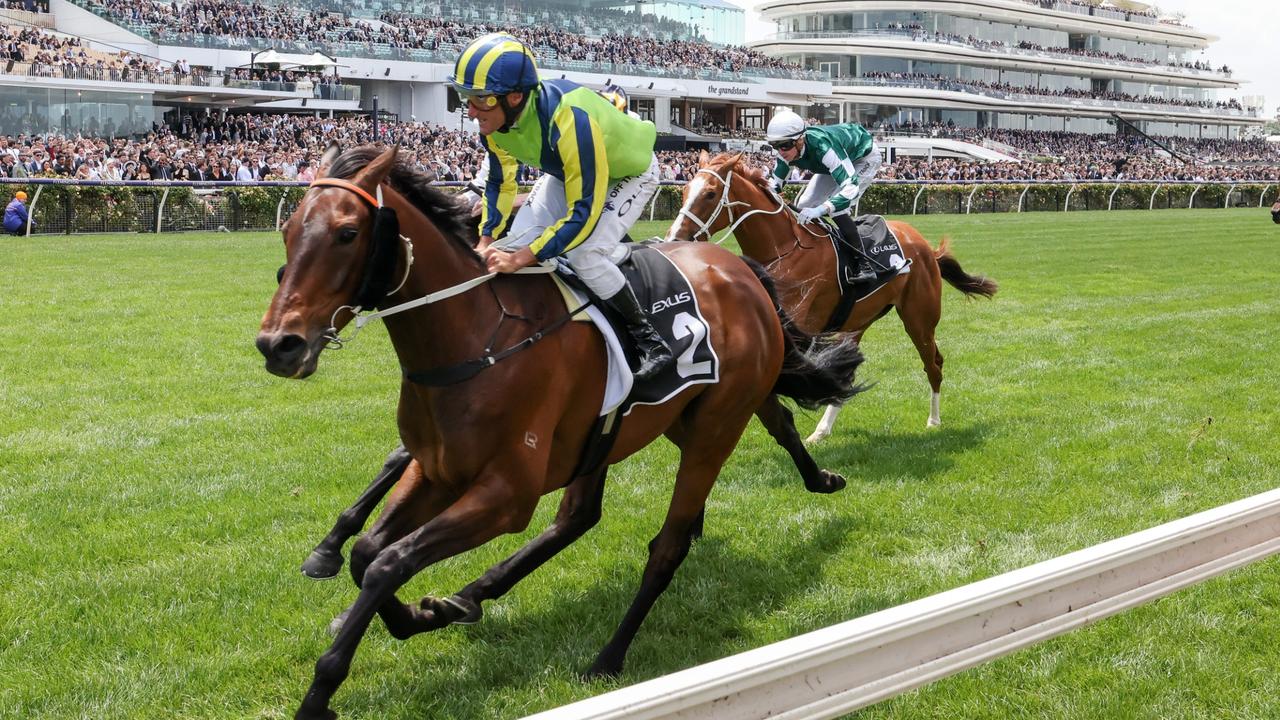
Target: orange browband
point(347, 185)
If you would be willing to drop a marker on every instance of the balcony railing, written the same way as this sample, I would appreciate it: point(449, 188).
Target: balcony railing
point(1025, 97)
point(923, 36)
point(323, 91)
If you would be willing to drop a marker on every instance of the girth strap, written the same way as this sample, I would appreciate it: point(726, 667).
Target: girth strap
point(440, 377)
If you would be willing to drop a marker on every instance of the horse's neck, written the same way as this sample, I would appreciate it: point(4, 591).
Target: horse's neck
point(450, 330)
point(766, 236)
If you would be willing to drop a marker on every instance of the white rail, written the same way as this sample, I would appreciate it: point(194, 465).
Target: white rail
point(838, 669)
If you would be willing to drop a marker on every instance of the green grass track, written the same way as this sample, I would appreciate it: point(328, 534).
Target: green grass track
point(158, 489)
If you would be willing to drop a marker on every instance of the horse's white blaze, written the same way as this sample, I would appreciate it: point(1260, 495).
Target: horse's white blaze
point(695, 187)
point(935, 411)
point(825, 425)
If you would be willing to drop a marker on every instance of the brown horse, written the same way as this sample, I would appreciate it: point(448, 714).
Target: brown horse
point(516, 393)
point(802, 260)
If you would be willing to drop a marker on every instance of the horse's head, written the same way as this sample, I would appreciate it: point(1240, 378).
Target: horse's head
point(1275, 212)
point(712, 197)
point(341, 250)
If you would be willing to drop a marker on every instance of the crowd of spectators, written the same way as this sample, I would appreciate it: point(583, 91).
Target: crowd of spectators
point(40, 6)
point(244, 22)
point(255, 146)
point(982, 86)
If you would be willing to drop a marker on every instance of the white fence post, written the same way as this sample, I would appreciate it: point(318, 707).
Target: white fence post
point(917, 198)
point(1193, 196)
point(164, 197)
point(1112, 196)
point(1152, 205)
point(1023, 195)
point(31, 211)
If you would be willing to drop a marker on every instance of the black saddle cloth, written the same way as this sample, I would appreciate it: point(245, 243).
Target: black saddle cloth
point(666, 295)
point(884, 252)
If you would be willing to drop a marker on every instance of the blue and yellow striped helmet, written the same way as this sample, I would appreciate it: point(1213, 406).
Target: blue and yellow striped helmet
point(494, 64)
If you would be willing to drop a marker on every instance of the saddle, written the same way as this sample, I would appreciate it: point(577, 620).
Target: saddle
point(668, 298)
point(881, 248)
point(664, 293)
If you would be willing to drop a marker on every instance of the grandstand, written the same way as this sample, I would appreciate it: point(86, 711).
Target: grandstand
point(231, 90)
point(1051, 65)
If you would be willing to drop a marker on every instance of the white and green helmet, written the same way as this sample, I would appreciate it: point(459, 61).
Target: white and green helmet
point(785, 125)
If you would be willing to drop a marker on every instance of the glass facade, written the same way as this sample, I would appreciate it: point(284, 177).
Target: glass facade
point(109, 114)
point(1002, 40)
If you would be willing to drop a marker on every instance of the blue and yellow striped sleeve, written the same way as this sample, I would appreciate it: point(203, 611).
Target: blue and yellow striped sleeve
point(499, 191)
point(578, 140)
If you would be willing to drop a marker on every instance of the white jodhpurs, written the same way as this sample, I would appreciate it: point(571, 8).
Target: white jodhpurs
point(596, 259)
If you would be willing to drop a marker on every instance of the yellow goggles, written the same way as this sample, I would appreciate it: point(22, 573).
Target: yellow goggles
point(482, 102)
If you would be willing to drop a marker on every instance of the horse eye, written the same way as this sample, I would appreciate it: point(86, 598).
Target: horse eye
point(347, 235)
point(280, 274)
point(708, 194)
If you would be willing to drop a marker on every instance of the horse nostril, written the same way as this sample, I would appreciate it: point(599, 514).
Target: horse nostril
point(290, 345)
point(281, 347)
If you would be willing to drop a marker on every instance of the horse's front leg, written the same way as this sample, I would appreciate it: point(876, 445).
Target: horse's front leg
point(483, 512)
point(825, 425)
point(579, 512)
point(326, 559)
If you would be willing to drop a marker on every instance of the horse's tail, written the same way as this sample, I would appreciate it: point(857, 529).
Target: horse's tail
point(957, 277)
point(817, 370)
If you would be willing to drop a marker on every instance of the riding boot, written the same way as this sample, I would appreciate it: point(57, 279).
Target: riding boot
point(863, 272)
point(654, 352)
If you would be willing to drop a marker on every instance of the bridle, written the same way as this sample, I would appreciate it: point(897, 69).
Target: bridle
point(725, 204)
point(379, 210)
point(440, 376)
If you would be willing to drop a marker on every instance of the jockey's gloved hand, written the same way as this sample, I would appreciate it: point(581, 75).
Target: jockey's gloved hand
point(775, 184)
point(810, 214)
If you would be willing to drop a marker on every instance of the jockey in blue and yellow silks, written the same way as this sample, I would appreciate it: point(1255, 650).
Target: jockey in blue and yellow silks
point(599, 171)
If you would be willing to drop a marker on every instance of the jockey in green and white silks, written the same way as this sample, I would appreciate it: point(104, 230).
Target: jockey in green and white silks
point(599, 172)
point(843, 159)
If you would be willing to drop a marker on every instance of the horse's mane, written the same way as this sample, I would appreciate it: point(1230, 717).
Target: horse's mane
point(736, 161)
point(447, 212)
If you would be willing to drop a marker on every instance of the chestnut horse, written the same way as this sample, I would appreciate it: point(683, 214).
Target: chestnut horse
point(513, 393)
point(802, 260)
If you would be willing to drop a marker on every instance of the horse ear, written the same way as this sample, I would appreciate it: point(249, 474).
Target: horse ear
point(375, 172)
point(703, 159)
point(326, 160)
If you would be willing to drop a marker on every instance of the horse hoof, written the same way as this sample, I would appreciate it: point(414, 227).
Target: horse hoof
point(827, 483)
point(816, 438)
point(440, 612)
point(601, 670)
point(335, 625)
point(932, 424)
point(325, 714)
point(322, 566)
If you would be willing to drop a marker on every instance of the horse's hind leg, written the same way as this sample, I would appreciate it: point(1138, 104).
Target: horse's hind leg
point(701, 457)
point(325, 560)
point(920, 326)
point(780, 422)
